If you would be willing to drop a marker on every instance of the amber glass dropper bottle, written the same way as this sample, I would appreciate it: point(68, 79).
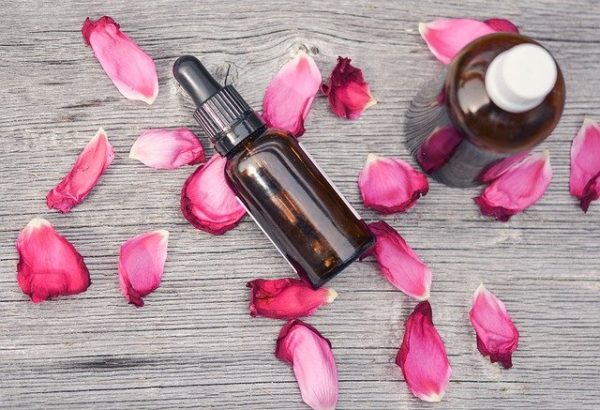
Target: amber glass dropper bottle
point(287, 195)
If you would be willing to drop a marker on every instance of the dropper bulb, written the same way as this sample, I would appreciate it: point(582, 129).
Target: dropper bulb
point(195, 79)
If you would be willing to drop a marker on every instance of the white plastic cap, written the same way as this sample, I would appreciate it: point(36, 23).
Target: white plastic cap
point(520, 78)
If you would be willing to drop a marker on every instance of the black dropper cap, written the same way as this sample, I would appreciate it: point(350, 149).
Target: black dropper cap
point(222, 113)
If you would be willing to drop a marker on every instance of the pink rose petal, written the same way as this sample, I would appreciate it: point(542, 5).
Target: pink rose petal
point(207, 202)
point(286, 298)
point(446, 37)
point(290, 94)
point(399, 263)
point(84, 175)
point(585, 163)
point(310, 355)
point(348, 92)
point(438, 148)
point(390, 185)
point(517, 189)
point(49, 265)
point(131, 70)
point(500, 167)
point(141, 265)
point(167, 148)
point(422, 356)
point(497, 336)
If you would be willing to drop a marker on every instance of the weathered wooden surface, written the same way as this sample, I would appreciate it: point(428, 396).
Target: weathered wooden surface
point(194, 345)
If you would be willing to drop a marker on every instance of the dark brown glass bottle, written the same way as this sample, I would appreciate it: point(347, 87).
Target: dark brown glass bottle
point(500, 96)
point(282, 189)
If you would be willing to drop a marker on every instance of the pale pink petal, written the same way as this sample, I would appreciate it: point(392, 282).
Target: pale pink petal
point(422, 356)
point(131, 70)
point(141, 265)
point(162, 148)
point(84, 175)
point(517, 189)
point(388, 184)
point(585, 162)
point(497, 336)
point(290, 94)
point(502, 25)
point(310, 355)
point(49, 265)
point(500, 167)
point(438, 148)
point(207, 202)
point(400, 265)
point(286, 298)
point(347, 91)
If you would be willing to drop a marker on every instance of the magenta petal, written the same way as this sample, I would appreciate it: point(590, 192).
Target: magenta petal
point(207, 202)
point(422, 356)
point(446, 37)
point(502, 25)
point(400, 265)
point(591, 193)
point(517, 189)
point(500, 167)
point(390, 185)
point(290, 94)
point(438, 148)
point(131, 70)
point(141, 265)
point(49, 265)
point(84, 175)
point(309, 353)
point(585, 162)
point(497, 336)
point(167, 148)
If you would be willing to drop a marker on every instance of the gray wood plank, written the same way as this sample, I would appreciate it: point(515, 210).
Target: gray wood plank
point(194, 345)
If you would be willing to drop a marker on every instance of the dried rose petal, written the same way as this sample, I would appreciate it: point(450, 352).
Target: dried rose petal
point(348, 92)
point(399, 263)
point(84, 175)
point(286, 298)
point(302, 346)
point(422, 356)
point(446, 37)
point(500, 167)
point(167, 148)
point(585, 163)
point(290, 94)
point(517, 189)
point(49, 265)
point(591, 192)
point(438, 148)
point(141, 265)
point(390, 185)
point(131, 70)
point(207, 202)
point(497, 336)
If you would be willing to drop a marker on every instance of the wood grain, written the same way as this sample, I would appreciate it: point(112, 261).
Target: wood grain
point(194, 345)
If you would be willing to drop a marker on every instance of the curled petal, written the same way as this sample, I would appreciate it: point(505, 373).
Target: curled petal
point(390, 185)
point(497, 336)
point(310, 355)
point(130, 69)
point(84, 175)
point(500, 167)
point(348, 92)
point(167, 148)
point(290, 94)
point(422, 356)
point(141, 265)
point(286, 298)
point(517, 189)
point(400, 265)
point(502, 25)
point(585, 162)
point(207, 202)
point(49, 265)
point(591, 192)
point(438, 148)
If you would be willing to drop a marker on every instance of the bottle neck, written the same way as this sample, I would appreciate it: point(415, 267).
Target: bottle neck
point(242, 144)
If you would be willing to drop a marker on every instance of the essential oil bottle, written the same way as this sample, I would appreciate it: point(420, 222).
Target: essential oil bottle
point(286, 194)
point(499, 97)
